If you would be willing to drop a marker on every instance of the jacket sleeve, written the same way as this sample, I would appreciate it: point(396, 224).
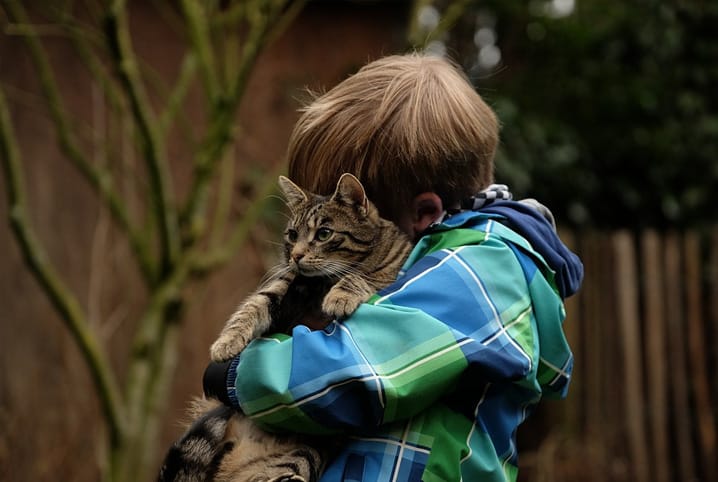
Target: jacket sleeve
point(400, 352)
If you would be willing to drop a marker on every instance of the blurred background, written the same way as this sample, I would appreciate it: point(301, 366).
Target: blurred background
point(140, 143)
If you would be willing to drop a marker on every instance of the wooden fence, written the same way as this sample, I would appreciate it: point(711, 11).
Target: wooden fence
point(643, 401)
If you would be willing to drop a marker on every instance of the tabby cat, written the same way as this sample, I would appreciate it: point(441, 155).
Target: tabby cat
point(338, 251)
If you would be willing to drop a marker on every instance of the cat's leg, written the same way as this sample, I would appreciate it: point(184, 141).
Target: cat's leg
point(252, 318)
point(346, 296)
point(259, 456)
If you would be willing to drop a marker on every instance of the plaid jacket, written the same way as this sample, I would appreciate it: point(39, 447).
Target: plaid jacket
point(432, 376)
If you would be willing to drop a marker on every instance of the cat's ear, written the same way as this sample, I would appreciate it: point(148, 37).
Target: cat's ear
point(294, 194)
point(350, 191)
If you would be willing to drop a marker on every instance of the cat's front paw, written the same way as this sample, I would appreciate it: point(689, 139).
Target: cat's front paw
point(240, 329)
point(339, 303)
point(227, 347)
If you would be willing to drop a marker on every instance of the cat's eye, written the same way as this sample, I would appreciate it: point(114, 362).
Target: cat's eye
point(323, 234)
point(292, 235)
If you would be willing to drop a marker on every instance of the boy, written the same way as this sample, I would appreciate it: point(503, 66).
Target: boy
point(429, 379)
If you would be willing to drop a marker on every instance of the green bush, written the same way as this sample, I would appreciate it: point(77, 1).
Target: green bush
point(610, 113)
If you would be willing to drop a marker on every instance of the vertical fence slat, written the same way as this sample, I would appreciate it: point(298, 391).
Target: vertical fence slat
point(656, 366)
point(697, 355)
point(593, 357)
point(626, 289)
point(712, 324)
point(643, 400)
point(571, 415)
point(612, 357)
point(677, 360)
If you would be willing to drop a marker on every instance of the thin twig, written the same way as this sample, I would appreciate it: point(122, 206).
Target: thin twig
point(219, 134)
point(230, 16)
point(415, 32)
point(420, 39)
point(198, 29)
point(286, 18)
point(179, 92)
point(221, 254)
point(224, 199)
point(80, 39)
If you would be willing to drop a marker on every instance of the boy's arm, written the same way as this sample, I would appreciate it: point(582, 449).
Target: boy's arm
point(400, 352)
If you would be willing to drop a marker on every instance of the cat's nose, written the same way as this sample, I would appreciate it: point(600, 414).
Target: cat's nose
point(297, 256)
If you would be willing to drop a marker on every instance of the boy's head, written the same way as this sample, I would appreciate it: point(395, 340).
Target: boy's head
point(404, 125)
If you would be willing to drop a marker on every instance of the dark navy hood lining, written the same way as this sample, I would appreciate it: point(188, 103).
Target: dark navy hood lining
point(528, 222)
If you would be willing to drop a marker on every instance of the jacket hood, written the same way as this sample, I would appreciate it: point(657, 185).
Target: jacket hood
point(537, 229)
point(527, 228)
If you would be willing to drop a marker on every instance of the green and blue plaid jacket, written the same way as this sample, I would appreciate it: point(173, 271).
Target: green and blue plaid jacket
point(432, 376)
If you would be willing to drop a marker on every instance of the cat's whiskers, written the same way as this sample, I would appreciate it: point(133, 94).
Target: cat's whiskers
point(340, 269)
point(275, 272)
point(343, 268)
point(274, 243)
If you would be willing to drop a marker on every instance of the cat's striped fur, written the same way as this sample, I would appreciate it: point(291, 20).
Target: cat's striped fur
point(225, 446)
point(337, 252)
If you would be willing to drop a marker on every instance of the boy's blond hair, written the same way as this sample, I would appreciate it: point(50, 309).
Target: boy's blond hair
point(404, 125)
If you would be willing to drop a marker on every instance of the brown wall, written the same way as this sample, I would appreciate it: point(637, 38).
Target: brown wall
point(50, 427)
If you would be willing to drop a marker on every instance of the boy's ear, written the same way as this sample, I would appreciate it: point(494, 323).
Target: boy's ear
point(294, 194)
point(427, 208)
point(350, 191)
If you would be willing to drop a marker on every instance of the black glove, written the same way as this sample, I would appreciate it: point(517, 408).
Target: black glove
point(214, 381)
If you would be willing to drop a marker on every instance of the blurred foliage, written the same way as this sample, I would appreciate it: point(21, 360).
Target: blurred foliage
point(609, 111)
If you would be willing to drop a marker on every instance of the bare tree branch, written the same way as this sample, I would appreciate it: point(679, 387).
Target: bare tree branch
point(415, 33)
point(264, 23)
point(161, 192)
point(153, 345)
point(132, 410)
point(288, 11)
point(223, 253)
point(419, 38)
point(60, 296)
point(452, 15)
point(198, 29)
point(83, 42)
point(98, 178)
point(159, 387)
point(224, 199)
point(179, 92)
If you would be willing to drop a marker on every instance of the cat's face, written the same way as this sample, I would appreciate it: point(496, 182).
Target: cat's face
point(329, 236)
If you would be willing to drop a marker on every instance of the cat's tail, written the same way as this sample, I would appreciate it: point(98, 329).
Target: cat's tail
point(197, 455)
